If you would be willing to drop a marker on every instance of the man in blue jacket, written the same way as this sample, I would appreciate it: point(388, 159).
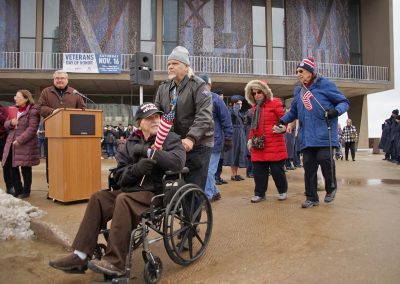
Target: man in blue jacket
point(223, 132)
point(317, 103)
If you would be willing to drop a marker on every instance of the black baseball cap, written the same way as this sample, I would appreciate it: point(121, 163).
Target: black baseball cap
point(145, 110)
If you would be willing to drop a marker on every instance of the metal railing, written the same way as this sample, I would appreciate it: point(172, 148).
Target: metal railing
point(215, 65)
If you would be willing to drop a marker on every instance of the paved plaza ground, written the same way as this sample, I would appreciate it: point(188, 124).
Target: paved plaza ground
point(354, 240)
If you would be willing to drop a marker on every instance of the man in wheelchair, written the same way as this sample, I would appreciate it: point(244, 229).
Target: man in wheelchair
point(125, 205)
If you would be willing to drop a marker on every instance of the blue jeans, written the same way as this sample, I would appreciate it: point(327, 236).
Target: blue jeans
point(110, 149)
point(211, 189)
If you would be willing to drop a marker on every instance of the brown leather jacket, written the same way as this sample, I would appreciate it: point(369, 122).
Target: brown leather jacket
point(50, 100)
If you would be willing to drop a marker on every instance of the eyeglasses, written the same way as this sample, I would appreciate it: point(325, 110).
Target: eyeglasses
point(257, 92)
point(299, 71)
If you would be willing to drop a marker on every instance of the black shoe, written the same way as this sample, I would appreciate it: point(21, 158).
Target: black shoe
point(329, 197)
point(223, 181)
point(216, 197)
point(11, 191)
point(70, 264)
point(309, 204)
point(218, 182)
point(354, 160)
point(250, 175)
point(24, 195)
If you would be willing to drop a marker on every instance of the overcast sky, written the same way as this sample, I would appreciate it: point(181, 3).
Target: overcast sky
point(380, 105)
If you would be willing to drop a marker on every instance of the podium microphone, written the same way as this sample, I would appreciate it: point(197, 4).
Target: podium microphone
point(85, 97)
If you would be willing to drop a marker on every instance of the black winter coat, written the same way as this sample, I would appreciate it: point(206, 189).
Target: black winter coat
point(171, 157)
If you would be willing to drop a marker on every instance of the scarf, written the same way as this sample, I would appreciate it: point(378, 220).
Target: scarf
point(256, 115)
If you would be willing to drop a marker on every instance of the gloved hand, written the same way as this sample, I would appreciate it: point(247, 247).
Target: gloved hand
point(143, 167)
point(332, 113)
point(279, 128)
point(140, 150)
point(227, 145)
point(249, 144)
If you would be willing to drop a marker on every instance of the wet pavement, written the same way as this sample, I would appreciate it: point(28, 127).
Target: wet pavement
point(353, 240)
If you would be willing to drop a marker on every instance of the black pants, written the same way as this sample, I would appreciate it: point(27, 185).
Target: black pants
point(219, 169)
point(312, 158)
point(16, 176)
point(7, 176)
point(261, 175)
point(351, 146)
point(197, 160)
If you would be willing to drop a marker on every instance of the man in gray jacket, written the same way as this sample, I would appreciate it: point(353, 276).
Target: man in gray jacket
point(188, 96)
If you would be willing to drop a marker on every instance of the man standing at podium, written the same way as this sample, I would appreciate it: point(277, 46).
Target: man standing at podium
point(57, 97)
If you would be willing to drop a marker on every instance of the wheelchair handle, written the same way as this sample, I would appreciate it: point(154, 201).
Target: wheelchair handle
point(185, 170)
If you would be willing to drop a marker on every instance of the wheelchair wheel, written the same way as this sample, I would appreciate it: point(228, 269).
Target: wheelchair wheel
point(152, 271)
point(187, 225)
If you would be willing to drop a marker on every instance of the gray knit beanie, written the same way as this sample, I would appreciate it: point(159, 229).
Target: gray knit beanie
point(181, 54)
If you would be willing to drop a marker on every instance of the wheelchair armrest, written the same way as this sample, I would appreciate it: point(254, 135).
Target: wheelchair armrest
point(185, 170)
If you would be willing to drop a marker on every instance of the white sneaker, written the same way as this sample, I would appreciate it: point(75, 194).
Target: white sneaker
point(282, 196)
point(256, 199)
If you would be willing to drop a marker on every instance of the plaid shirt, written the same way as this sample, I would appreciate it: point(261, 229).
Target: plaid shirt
point(349, 134)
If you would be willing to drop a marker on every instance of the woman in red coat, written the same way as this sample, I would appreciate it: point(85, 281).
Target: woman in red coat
point(268, 149)
point(21, 148)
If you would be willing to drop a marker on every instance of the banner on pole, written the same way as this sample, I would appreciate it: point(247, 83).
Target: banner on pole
point(91, 63)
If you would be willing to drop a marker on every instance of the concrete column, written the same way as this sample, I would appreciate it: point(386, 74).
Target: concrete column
point(358, 113)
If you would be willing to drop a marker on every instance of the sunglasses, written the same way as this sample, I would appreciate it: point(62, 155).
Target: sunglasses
point(299, 71)
point(257, 92)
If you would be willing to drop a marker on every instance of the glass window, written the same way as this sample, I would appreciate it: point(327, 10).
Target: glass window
point(27, 55)
point(279, 57)
point(148, 46)
point(278, 34)
point(259, 63)
point(354, 32)
point(51, 18)
point(170, 20)
point(148, 20)
point(259, 26)
point(28, 18)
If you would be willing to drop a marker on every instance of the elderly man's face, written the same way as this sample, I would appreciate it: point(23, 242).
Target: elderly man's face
point(177, 70)
point(149, 125)
point(60, 80)
point(303, 75)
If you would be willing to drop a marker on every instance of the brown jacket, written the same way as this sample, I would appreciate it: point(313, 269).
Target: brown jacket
point(26, 154)
point(50, 100)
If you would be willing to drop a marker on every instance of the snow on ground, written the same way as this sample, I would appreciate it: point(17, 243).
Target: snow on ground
point(15, 217)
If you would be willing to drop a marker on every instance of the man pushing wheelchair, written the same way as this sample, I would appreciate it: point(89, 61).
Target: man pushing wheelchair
point(125, 205)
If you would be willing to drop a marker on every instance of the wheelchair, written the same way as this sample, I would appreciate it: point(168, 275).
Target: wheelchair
point(182, 218)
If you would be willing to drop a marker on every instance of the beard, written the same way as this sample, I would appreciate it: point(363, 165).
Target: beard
point(171, 76)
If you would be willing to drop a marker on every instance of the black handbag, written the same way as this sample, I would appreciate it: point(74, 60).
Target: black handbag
point(258, 142)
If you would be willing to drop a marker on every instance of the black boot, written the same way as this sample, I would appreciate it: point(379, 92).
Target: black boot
point(25, 192)
point(11, 190)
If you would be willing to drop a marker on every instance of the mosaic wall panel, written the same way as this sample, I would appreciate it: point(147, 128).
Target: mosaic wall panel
point(318, 28)
point(216, 28)
point(100, 26)
point(9, 25)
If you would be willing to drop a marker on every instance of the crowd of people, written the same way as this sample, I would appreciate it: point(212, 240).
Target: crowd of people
point(206, 134)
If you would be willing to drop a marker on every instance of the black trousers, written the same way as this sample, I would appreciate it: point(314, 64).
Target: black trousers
point(197, 160)
point(7, 176)
point(261, 172)
point(219, 169)
point(16, 176)
point(351, 146)
point(312, 158)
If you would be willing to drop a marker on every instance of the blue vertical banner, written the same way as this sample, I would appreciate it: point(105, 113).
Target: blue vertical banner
point(109, 63)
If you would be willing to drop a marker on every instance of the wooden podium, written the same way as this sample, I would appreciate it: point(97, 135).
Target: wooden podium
point(74, 153)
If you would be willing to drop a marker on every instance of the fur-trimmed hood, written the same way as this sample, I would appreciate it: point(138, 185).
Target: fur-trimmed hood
point(257, 85)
